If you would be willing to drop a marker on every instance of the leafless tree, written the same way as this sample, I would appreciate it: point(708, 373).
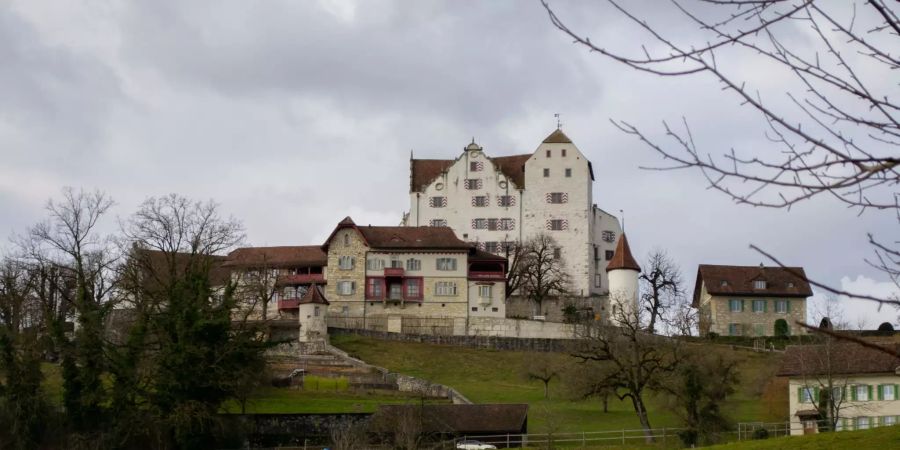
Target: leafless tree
point(631, 361)
point(256, 287)
point(684, 319)
point(835, 133)
point(542, 367)
point(514, 254)
point(662, 286)
point(543, 275)
point(349, 436)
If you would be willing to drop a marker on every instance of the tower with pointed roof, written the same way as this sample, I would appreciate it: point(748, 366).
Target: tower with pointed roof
point(311, 310)
point(497, 201)
point(623, 273)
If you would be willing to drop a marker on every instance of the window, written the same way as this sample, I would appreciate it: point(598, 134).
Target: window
point(413, 288)
point(345, 310)
point(862, 423)
point(790, 284)
point(474, 309)
point(446, 264)
point(316, 311)
point(492, 247)
point(557, 253)
point(598, 280)
point(375, 264)
point(484, 291)
point(548, 153)
point(479, 224)
point(395, 291)
point(610, 254)
point(734, 329)
point(781, 306)
point(759, 306)
point(375, 288)
point(837, 394)
point(480, 200)
point(608, 236)
point(509, 246)
point(889, 421)
point(346, 240)
point(506, 200)
point(862, 392)
point(735, 305)
point(495, 309)
point(557, 224)
point(476, 166)
point(473, 183)
point(396, 263)
point(438, 222)
point(564, 153)
point(492, 224)
point(413, 264)
point(759, 284)
point(437, 202)
point(445, 288)
point(346, 262)
point(546, 173)
point(346, 287)
point(887, 392)
point(557, 197)
point(507, 224)
point(807, 394)
point(568, 173)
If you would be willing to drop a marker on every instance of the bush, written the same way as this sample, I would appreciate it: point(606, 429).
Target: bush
point(781, 328)
point(760, 433)
point(712, 335)
point(570, 314)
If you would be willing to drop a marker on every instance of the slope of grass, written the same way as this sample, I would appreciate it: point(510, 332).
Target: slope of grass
point(878, 438)
point(492, 376)
point(291, 401)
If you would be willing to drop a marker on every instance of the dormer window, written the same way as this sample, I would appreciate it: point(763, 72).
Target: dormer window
point(790, 284)
point(759, 284)
point(563, 153)
point(724, 283)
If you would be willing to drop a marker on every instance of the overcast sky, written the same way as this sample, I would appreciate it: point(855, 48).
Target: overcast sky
point(293, 115)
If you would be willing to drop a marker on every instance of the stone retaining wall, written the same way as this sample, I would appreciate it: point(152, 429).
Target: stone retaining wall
point(493, 342)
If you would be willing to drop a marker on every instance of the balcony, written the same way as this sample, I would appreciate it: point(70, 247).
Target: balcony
point(288, 303)
point(302, 278)
point(393, 271)
point(487, 276)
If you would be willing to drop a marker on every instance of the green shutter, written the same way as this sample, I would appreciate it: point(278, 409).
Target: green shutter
point(788, 306)
point(853, 392)
point(742, 305)
point(816, 394)
point(896, 393)
point(880, 392)
point(870, 392)
point(765, 306)
point(799, 395)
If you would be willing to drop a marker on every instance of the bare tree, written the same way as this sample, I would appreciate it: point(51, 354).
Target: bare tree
point(662, 287)
point(631, 361)
point(256, 287)
point(542, 367)
point(349, 436)
point(514, 254)
point(683, 319)
point(838, 132)
point(543, 274)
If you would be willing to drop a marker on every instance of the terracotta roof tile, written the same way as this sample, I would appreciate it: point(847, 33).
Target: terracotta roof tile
point(844, 358)
point(513, 167)
point(738, 281)
point(313, 295)
point(557, 137)
point(412, 237)
point(424, 171)
point(277, 257)
point(623, 259)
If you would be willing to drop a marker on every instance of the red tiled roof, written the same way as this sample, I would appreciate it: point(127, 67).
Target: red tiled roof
point(424, 171)
point(412, 237)
point(277, 257)
point(841, 358)
point(738, 281)
point(557, 137)
point(623, 259)
point(481, 255)
point(313, 295)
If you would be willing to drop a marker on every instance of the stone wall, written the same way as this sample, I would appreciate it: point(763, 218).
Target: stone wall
point(277, 430)
point(482, 341)
point(748, 319)
point(552, 309)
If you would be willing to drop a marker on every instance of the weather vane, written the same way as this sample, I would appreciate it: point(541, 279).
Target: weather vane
point(622, 213)
point(558, 123)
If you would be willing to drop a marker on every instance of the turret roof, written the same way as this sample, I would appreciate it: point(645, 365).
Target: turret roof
point(313, 295)
point(557, 137)
point(623, 259)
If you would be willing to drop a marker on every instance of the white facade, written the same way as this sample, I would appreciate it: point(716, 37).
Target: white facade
point(623, 294)
point(500, 200)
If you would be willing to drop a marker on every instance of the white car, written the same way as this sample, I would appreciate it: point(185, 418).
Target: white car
point(474, 445)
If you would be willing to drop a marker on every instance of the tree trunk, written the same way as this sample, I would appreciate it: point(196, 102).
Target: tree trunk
point(546, 389)
point(641, 411)
point(606, 403)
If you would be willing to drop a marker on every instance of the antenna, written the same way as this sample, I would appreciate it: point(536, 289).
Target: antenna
point(558, 123)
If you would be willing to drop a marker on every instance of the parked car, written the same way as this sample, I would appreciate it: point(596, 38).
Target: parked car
point(474, 445)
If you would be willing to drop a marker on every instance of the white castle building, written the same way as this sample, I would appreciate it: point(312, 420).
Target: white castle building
point(496, 201)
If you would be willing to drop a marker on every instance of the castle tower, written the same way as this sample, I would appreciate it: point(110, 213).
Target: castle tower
point(311, 311)
point(623, 272)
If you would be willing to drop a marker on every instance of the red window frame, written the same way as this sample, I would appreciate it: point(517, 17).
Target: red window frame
point(419, 282)
point(371, 282)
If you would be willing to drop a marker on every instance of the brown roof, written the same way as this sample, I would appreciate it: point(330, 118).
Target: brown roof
point(313, 295)
point(738, 281)
point(481, 255)
point(155, 265)
point(276, 257)
point(412, 238)
point(557, 137)
point(623, 259)
point(424, 171)
point(844, 358)
point(461, 419)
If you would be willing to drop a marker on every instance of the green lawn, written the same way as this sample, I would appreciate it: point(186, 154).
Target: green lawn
point(878, 438)
point(492, 376)
point(287, 401)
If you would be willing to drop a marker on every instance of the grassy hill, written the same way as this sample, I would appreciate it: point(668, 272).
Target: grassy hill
point(488, 376)
point(878, 438)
